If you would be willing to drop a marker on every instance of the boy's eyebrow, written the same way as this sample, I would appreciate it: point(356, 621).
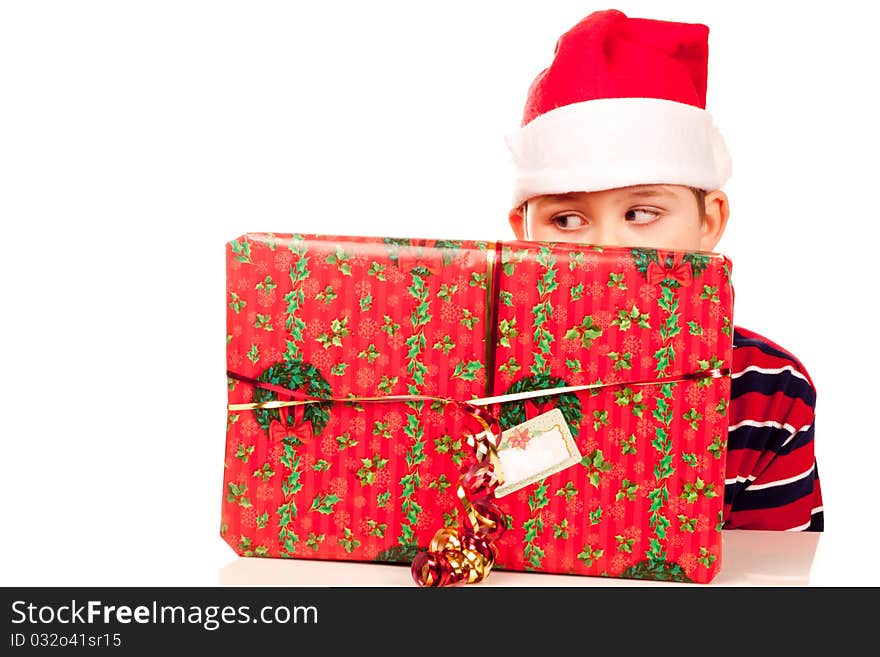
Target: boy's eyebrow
point(643, 192)
point(646, 191)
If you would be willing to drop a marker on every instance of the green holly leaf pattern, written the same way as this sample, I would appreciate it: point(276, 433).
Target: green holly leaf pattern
point(686, 524)
point(441, 483)
point(693, 490)
point(624, 544)
point(547, 283)
point(263, 322)
point(506, 332)
point(627, 490)
point(315, 540)
point(265, 472)
point(236, 495)
point(446, 292)
point(348, 541)
point(466, 370)
point(626, 318)
point(627, 397)
point(511, 367)
point(717, 446)
point(595, 464)
point(616, 280)
point(445, 345)
point(374, 528)
point(726, 326)
point(370, 353)
point(241, 250)
point(589, 554)
point(575, 259)
point(326, 295)
point(573, 365)
point(243, 452)
point(586, 332)
point(622, 361)
point(705, 559)
point(416, 453)
point(628, 444)
point(345, 441)
point(478, 280)
point(446, 445)
point(376, 270)
point(324, 503)
point(568, 491)
point(561, 530)
point(389, 326)
point(692, 417)
point(381, 429)
point(664, 357)
point(387, 384)
point(538, 499)
point(340, 258)
point(366, 474)
point(468, 318)
point(338, 330)
point(712, 363)
point(236, 303)
point(710, 292)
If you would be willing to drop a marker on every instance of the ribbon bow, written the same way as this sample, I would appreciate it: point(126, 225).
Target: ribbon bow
point(534, 407)
point(680, 271)
point(281, 429)
point(416, 256)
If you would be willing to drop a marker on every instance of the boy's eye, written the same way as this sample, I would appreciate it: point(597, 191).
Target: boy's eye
point(569, 221)
point(641, 216)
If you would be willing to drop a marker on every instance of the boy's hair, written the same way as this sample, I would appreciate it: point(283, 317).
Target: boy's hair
point(701, 201)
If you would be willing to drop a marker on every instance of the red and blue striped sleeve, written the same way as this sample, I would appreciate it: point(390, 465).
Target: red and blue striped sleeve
point(772, 479)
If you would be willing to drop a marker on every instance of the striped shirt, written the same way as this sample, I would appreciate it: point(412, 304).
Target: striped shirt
point(772, 481)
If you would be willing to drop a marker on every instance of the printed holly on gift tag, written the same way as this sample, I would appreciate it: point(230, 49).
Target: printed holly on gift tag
point(535, 449)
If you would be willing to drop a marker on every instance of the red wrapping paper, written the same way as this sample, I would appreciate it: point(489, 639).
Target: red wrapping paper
point(355, 316)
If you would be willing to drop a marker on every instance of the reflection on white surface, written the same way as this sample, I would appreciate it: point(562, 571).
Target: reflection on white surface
point(750, 558)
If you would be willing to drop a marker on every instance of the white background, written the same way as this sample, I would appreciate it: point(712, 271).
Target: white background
point(136, 138)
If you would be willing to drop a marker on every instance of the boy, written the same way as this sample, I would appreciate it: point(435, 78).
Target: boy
point(616, 148)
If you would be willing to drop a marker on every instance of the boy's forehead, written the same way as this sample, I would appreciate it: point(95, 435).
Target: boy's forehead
point(634, 191)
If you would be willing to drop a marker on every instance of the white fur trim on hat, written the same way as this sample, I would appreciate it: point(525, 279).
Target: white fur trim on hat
point(617, 142)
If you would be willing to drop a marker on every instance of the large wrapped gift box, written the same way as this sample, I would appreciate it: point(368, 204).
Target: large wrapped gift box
point(366, 317)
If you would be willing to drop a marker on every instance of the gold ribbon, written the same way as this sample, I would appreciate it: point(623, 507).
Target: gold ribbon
point(715, 373)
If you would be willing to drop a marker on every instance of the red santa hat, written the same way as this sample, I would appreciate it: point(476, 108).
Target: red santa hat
point(622, 103)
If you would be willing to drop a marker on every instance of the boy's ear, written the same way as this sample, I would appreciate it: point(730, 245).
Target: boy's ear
point(517, 222)
point(715, 221)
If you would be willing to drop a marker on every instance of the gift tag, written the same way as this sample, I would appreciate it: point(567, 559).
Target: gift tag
point(535, 449)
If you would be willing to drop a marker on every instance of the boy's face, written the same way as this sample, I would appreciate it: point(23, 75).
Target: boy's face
point(651, 216)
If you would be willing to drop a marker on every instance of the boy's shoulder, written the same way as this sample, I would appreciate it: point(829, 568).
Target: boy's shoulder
point(761, 365)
